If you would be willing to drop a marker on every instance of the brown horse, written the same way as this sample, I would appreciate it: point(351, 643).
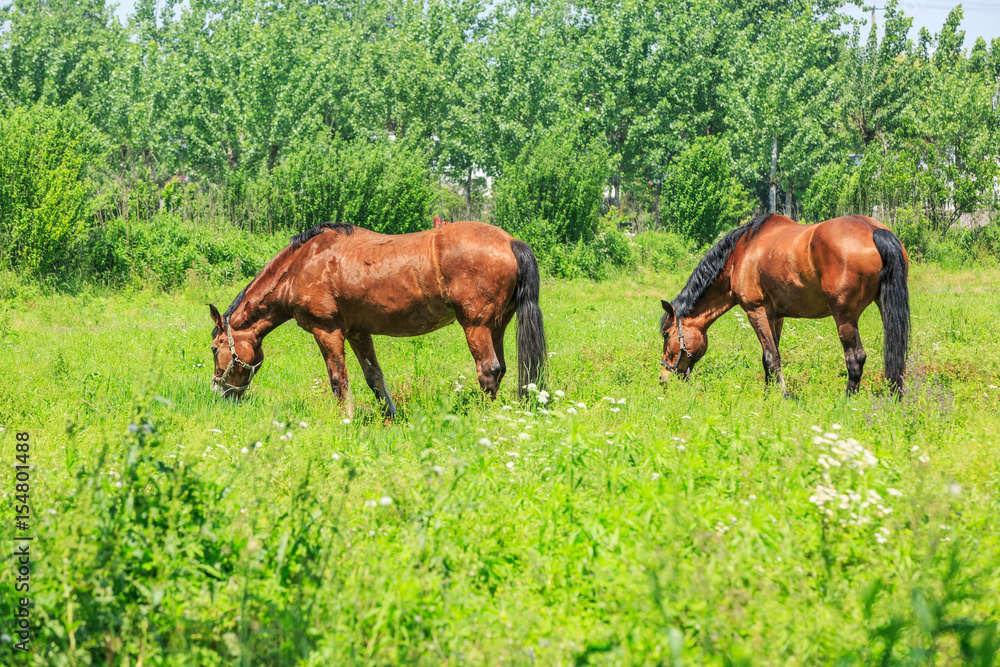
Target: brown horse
point(343, 284)
point(774, 268)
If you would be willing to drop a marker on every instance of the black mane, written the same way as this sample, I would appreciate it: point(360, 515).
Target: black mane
point(295, 243)
point(339, 227)
point(711, 264)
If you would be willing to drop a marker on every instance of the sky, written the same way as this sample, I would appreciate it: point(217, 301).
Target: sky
point(982, 17)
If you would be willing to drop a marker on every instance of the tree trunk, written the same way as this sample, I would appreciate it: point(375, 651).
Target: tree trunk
point(772, 203)
point(656, 200)
point(618, 191)
point(788, 202)
point(147, 155)
point(468, 196)
point(272, 157)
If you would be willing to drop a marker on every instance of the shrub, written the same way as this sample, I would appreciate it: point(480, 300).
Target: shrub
point(45, 154)
point(551, 194)
point(661, 251)
point(165, 250)
point(701, 196)
point(383, 186)
point(822, 198)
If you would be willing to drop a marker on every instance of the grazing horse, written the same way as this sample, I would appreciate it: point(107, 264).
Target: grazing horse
point(774, 268)
point(344, 284)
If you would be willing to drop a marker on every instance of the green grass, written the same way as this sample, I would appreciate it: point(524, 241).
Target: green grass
point(675, 530)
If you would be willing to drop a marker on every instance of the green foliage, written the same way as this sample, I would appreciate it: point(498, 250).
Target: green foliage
point(881, 79)
point(701, 197)
point(551, 194)
point(231, 92)
point(45, 157)
point(165, 251)
point(663, 250)
point(822, 200)
point(383, 186)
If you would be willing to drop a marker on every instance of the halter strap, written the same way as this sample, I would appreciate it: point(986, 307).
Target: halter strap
point(682, 351)
point(233, 360)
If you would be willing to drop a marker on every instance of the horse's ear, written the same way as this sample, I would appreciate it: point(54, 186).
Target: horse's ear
point(667, 308)
point(216, 317)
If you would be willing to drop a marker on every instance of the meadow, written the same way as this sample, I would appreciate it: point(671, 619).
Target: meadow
point(611, 521)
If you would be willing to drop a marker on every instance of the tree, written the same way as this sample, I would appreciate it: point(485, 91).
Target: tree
point(705, 196)
point(881, 79)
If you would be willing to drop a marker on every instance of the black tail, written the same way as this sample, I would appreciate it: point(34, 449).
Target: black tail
point(894, 302)
point(531, 348)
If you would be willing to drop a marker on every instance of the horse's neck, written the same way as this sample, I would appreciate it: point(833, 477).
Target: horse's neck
point(718, 299)
point(262, 308)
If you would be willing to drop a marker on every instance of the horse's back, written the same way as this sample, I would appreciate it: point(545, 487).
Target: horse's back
point(796, 270)
point(406, 284)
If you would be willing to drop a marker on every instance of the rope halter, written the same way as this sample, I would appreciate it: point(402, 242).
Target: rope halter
point(682, 352)
point(233, 360)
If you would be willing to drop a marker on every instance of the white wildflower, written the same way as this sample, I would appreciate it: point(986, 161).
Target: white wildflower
point(385, 501)
point(822, 495)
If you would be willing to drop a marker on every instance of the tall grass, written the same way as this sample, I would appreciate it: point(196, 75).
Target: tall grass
point(614, 523)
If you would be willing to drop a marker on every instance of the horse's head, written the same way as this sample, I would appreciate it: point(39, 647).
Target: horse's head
point(238, 357)
point(683, 344)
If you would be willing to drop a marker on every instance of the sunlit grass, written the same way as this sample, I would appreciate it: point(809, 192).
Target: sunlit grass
point(647, 524)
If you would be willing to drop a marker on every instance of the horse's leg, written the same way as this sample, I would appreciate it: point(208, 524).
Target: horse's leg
point(488, 367)
point(854, 352)
point(498, 334)
point(364, 350)
point(776, 325)
point(761, 321)
point(331, 344)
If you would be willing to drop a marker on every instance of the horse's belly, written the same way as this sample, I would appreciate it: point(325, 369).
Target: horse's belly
point(412, 321)
point(804, 302)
